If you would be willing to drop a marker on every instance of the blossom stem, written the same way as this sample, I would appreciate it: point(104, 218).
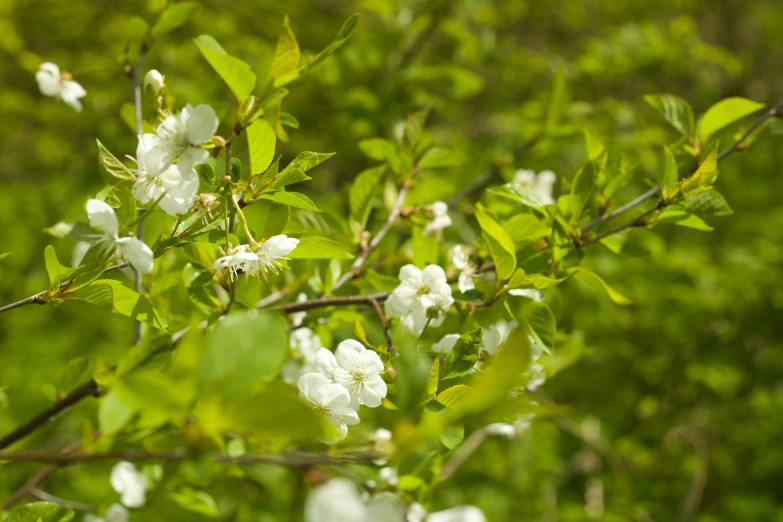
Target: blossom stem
point(244, 222)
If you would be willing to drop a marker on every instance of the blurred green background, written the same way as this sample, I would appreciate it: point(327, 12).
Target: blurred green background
point(676, 402)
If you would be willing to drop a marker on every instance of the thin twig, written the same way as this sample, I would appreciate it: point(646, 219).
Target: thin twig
point(357, 265)
point(384, 324)
point(67, 504)
point(329, 301)
point(463, 453)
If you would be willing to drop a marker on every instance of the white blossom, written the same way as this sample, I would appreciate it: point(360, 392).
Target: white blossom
point(415, 513)
point(460, 260)
point(180, 135)
point(532, 293)
point(59, 85)
point(494, 336)
point(130, 484)
point(304, 344)
point(540, 185)
point(129, 249)
point(259, 263)
point(355, 368)
point(440, 218)
point(331, 401)
point(502, 429)
point(298, 317)
point(154, 80)
point(176, 185)
point(446, 343)
point(389, 475)
point(115, 513)
point(423, 296)
point(458, 514)
point(204, 204)
point(335, 501)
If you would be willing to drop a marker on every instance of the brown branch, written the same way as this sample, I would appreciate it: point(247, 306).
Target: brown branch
point(357, 265)
point(321, 302)
point(384, 324)
point(737, 145)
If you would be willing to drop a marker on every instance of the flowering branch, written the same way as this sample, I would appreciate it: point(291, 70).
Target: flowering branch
point(357, 265)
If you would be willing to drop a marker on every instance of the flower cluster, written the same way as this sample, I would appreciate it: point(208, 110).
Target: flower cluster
point(259, 262)
point(540, 185)
point(460, 260)
point(338, 500)
point(132, 488)
point(440, 218)
point(345, 380)
point(423, 297)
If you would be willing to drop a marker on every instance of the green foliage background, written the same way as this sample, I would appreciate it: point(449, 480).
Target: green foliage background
point(685, 383)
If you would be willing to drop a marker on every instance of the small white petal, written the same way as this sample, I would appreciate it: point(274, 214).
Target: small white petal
point(135, 252)
point(202, 122)
point(101, 215)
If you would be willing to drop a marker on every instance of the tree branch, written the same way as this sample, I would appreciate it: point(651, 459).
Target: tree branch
point(357, 265)
point(384, 324)
point(67, 504)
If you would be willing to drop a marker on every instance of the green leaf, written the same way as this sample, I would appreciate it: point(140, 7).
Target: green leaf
point(286, 60)
point(113, 414)
point(500, 244)
point(432, 381)
point(120, 299)
point(121, 198)
point(583, 188)
point(384, 150)
point(206, 174)
point(675, 110)
point(594, 147)
point(708, 202)
point(517, 192)
point(538, 281)
point(452, 436)
point(292, 199)
point(261, 145)
point(726, 112)
point(56, 271)
point(236, 73)
point(112, 169)
point(195, 500)
point(705, 175)
point(317, 247)
point(440, 157)
point(39, 512)
point(683, 219)
point(174, 16)
point(671, 174)
point(463, 356)
point(540, 322)
point(594, 281)
point(451, 397)
point(305, 161)
point(242, 350)
point(362, 193)
point(525, 228)
point(4, 255)
point(343, 34)
point(236, 170)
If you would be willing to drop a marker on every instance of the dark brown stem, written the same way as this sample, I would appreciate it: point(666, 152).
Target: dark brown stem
point(384, 324)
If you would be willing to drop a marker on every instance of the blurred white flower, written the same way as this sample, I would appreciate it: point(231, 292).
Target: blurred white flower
point(458, 514)
point(423, 296)
point(415, 513)
point(502, 429)
point(154, 80)
point(204, 204)
point(440, 218)
point(129, 249)
point(258, 263)
point(446, 343)
point(494, 336)
point(59, 85)
point(330, 400)
point(298, 317)
point(304, 344)
point(180, 135)
point(460, 260)
point(389, 475)
point(355, 368)
point(115, 513)
point(532, 293)
point(176, 185)
point(335, 501)
point(130, 484)
point(540, 185)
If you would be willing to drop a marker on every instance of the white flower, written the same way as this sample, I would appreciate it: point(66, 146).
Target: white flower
point(130, 249)
point(115, 513)
point(460, 260)
point(355, 368)
point(305, 345)
point(440, 218)
point(181, 134)
point(502, 429)
point(496, 335)
point(298, 317)
point(389, 475)
point(130, 484)
point(330, 400)
point(458, 514)
point(178, 186)
point(335, 501)
point(532, 293)
point(446, 343)
point(384, 508)
point(204, 205)
point(541, 185)
point(536, 377)
point(59, 85)
point(422, 296)
point(258, 263)
point(415, 513)
point(155, 80)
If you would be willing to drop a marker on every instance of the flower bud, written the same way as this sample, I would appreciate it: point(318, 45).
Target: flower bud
point(155, 80)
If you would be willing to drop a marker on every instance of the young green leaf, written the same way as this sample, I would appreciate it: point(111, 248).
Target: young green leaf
point(726, 112)
point(343, 34)
point(707, 202)
point(704, 176)
point(112, 169)
point(525, 228)
point(540, 321)
point(440, 157)
point(39, 512)
point(316, 247)
point(670, 174)
point(518, 193)
point(56, 271)
point(120, 299)
point(500, 244)
point(363, 190)
point(594, 281)
point(683, 219)
point(174, 16)
point(236, 73)
point(286, 59)
point(451, 397)
point(305, 161)
point(583, 188)
point(292, 199)
point(675, 110)
point(463, 356)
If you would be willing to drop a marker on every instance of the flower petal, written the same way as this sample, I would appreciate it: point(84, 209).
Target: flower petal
point(101, 215)
point(136, 253)
point(201, 123)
